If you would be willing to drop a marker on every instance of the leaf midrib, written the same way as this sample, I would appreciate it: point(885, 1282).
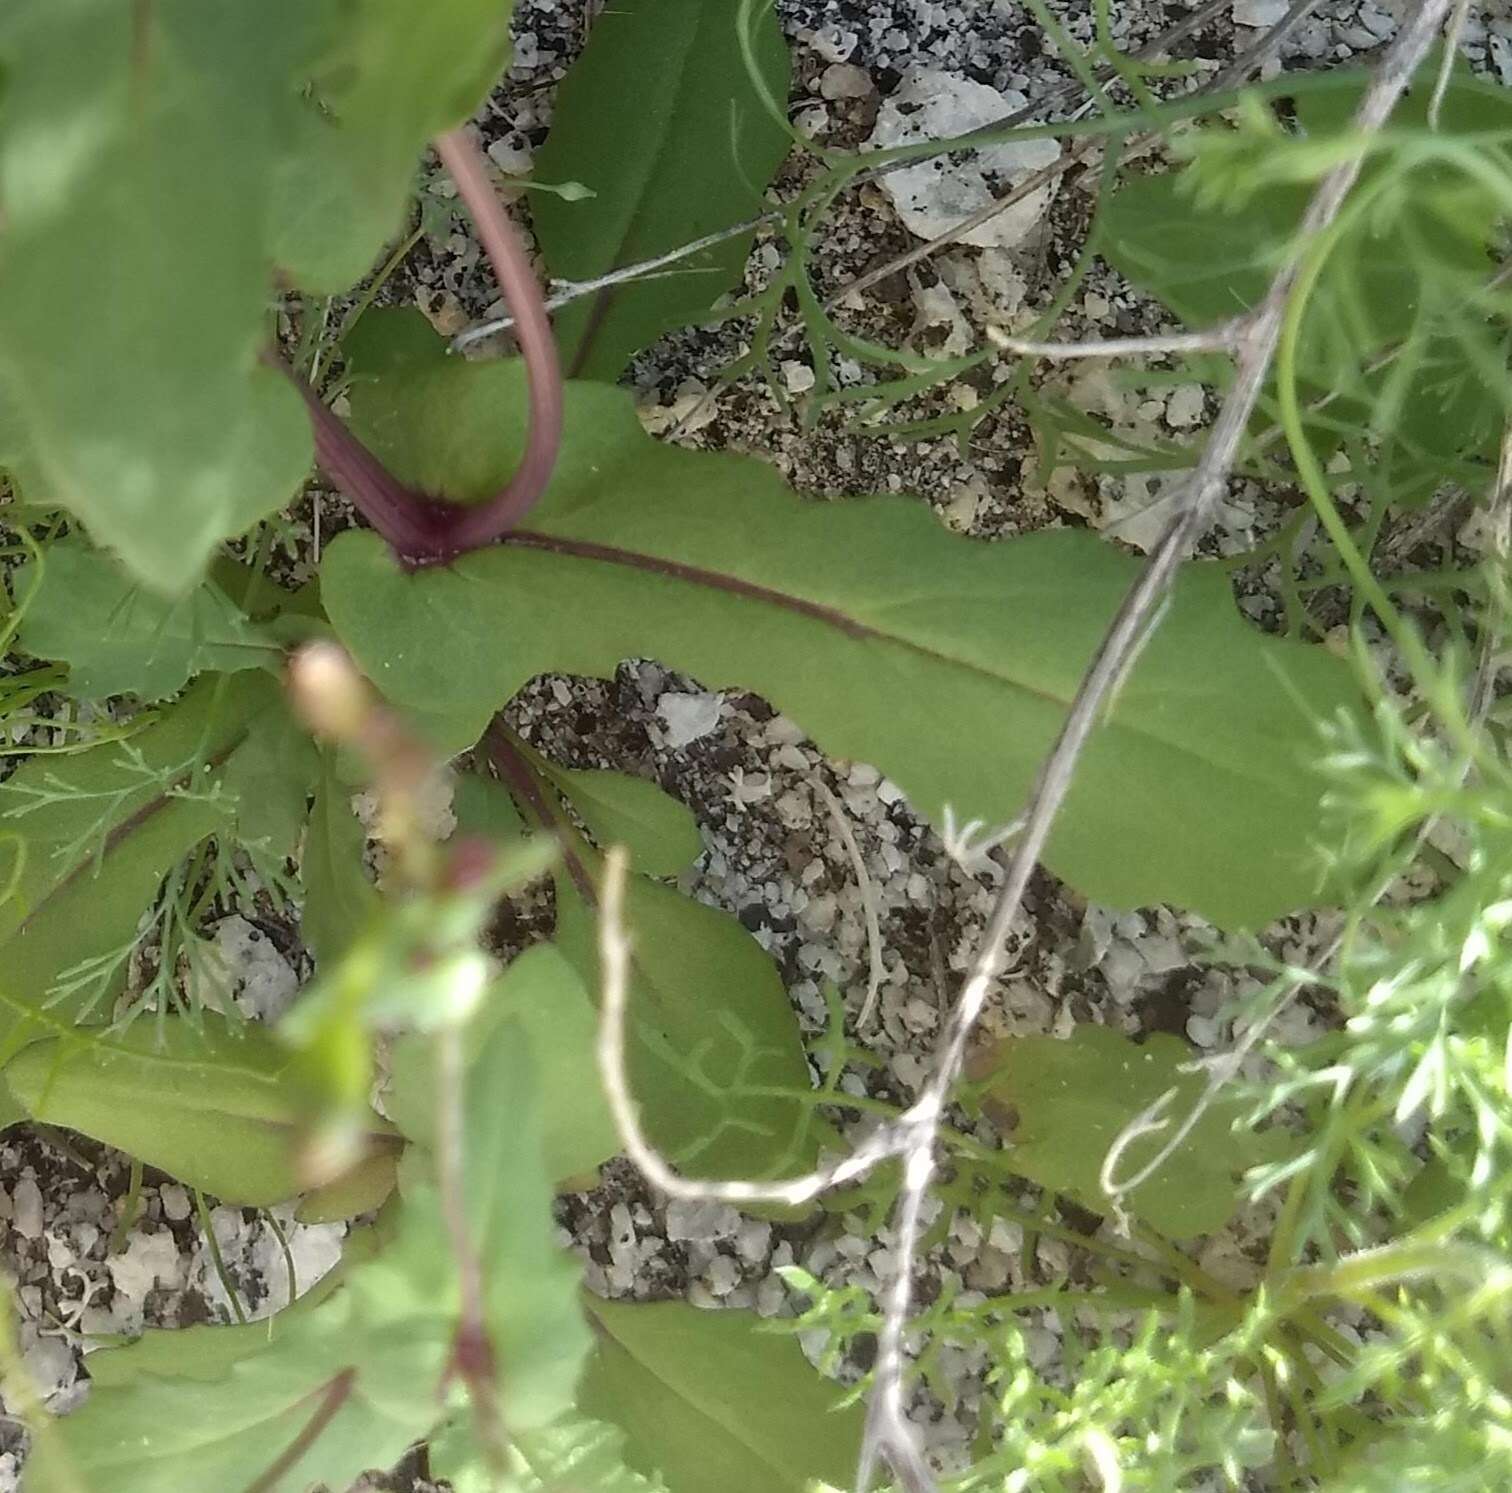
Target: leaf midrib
point(754, 591)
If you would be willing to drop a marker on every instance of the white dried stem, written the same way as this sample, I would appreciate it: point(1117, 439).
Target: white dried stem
point(568, 291)
point(1224, 337)
point(1452, 34)
point(614, 966)
point(877, 970)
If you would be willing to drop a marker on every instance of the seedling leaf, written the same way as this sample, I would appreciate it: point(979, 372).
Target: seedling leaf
point(119, 639)
point(660, 120)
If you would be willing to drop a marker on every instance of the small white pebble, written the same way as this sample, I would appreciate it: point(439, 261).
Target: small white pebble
point(175, 1201)
point(26, 1209)
point(1186, 406)
point(798, 377)
point(723, 1275)
point(842, 80)
point(1203, 1030)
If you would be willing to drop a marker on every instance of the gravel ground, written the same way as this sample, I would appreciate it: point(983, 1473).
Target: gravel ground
point(773, 855)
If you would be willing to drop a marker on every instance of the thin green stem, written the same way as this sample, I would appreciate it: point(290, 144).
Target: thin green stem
point(216, 1259)
point(130, 1205)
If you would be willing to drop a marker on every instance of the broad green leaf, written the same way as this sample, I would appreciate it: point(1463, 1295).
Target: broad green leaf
point(138, 151)
point(661, 120)
point(660, 833)
point(212, 1104)
point(695, 1390)
point(949, 663)
point(339, 899)
point(542, 995)
point(583, 1455)
point(1062, 1104)
point(102, 828)
point(708, 1021)
point(393, 75)
point(118, 639)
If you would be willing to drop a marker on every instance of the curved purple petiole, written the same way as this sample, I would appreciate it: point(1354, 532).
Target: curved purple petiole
point(426, 530)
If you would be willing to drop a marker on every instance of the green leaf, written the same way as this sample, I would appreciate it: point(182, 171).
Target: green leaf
point(583, 1455)
point(102, 828)
point(708, 1021)
point(138, 149)
point(532, 1287)
point(339, 898)
point(949, 663)
point(541, 995)
point(1064, 1103)
point(118, 639)
point(272, 774)
point(206, 1409)
point(484, 807)
point(362, 1360)
point(212, 1104)
point(393, 75)
point(660, 833)
point(695, 1390)
point(661, 120)
point(361, 1190)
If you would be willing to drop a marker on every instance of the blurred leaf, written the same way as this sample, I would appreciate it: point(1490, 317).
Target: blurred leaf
point(533, 1306)
point(362, 1359)
point(541, 995)
point(582, 1455)
point(1062, 1104)
point(1198, 790)
point(138, 151)
point(118, 639)
point(339, 898)
point(695, 1390)
point(210, 1409)
point(659, 118)
point(211, 1104)
point(393, 75)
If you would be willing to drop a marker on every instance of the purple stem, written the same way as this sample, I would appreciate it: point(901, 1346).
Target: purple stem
point(425, 530)
point(532, 330)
